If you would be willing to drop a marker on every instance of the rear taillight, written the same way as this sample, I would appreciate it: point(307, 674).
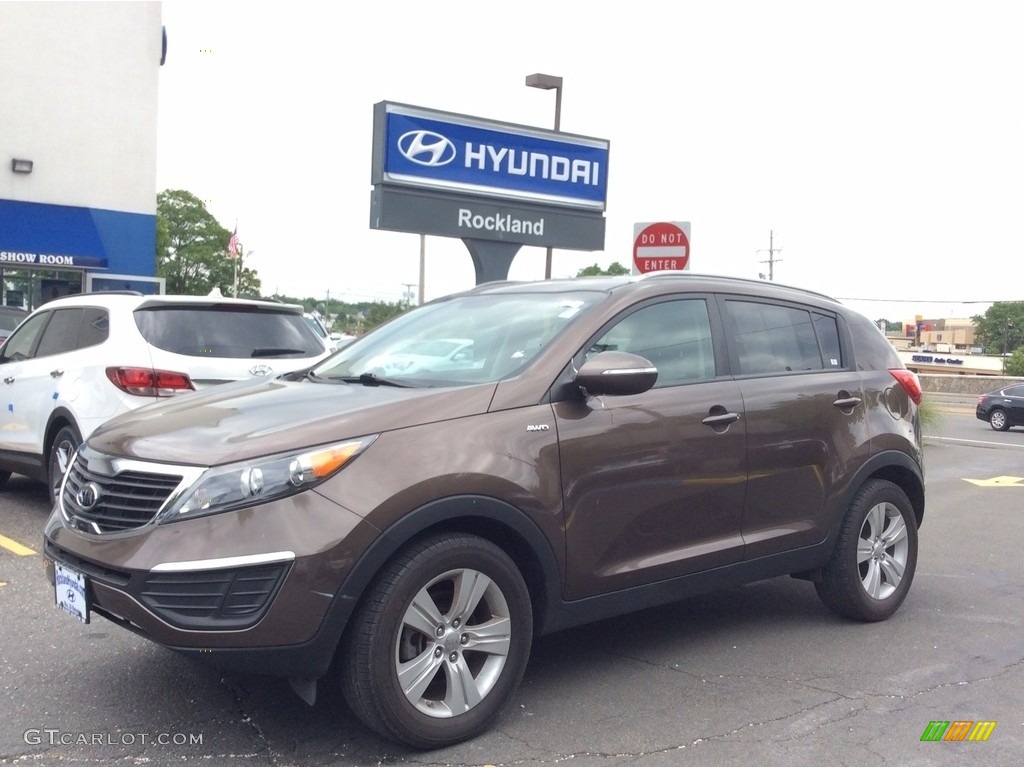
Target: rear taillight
point(148, 382)
point(910, 383)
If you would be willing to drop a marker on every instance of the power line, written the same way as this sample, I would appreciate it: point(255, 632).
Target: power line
point(934, 301)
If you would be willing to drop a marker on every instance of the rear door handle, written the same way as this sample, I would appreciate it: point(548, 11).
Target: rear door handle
point(9, 380)
point(843, 403)
point(56, 373)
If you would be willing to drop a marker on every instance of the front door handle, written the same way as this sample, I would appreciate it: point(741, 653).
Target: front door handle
point(56, 373)
point(8, 380)
point(719, 419)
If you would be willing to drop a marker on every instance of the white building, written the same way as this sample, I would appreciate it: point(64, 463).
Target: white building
point(78, 121)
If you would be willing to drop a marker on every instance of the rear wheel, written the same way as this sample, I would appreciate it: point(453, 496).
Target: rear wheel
point(873, 564)
point(440, 643)
point(998, 421)
point(63, 447)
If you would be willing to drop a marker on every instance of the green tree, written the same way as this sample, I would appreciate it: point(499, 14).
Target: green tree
point(615, 268)
point(382, 311)
point(192, 249)
point(1015, 363)
point(1001, 326)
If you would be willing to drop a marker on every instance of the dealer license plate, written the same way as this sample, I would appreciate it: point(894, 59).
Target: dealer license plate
point(70, 593)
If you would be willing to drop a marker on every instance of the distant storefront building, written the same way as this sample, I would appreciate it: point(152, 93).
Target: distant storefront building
point(78, 96)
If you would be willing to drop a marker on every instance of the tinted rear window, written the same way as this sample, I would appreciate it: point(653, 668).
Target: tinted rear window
point(240, 332)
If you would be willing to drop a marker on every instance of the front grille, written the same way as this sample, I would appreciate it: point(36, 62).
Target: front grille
point(126, 500)
point(229, 598)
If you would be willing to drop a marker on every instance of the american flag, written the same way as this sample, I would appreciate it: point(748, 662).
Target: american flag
point(233, 245)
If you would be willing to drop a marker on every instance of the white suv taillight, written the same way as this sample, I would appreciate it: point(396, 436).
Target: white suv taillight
point(910, 383)
point(148, 382)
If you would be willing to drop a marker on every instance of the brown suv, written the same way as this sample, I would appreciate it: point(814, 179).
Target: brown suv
point(500, 463)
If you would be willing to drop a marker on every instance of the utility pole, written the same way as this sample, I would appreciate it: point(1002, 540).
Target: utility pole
point(408, 293)
point(423, 264)
point(772, 250)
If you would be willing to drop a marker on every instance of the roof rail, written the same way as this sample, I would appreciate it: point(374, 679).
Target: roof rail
point(111, 293)
point(745, 280)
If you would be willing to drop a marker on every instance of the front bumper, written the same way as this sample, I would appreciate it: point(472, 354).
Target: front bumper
point(250, 589)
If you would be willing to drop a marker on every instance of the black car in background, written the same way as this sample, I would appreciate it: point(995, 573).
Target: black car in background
point(1003, 408)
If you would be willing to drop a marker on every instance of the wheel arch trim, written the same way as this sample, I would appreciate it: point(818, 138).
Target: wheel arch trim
point(887, 465)
point(482, 515)
point(60, 416)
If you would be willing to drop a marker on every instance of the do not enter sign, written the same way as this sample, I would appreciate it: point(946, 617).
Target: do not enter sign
point(661, 245)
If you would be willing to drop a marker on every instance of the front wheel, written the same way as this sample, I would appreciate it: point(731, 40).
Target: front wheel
point(998, 421)
point(873, 564)
point(63, 447)
point(439, 643)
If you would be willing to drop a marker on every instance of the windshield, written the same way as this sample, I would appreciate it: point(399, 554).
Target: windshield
point(462, 340)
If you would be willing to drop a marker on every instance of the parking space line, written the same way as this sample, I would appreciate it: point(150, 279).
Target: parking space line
point(15, 547)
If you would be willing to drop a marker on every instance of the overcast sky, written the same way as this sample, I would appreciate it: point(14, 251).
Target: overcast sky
point(881, 142)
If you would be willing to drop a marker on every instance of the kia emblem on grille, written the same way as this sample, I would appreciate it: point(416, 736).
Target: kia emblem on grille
point(261, 370)
point(426, 148)
point(88, 496)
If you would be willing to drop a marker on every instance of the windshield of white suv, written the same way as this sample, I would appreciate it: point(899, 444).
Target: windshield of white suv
point(228, 331)
point(465, 339)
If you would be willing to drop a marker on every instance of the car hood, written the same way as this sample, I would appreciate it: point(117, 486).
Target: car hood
point(233, 422)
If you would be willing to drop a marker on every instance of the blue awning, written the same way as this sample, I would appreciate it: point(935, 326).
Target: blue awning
point(56, 236)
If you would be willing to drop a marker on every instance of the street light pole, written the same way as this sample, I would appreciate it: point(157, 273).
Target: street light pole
point(238, 267)
point(548, 83)
point(1007, 327)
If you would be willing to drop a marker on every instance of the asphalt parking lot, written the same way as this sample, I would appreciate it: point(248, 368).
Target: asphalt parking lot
point(757, 675)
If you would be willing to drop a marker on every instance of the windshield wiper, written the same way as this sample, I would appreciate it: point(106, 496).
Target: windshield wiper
point(373, 380)
point(268, 351)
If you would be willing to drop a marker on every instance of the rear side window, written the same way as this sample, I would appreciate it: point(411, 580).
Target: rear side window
point(828, 337)
point(228, 331)
point(73, 328)
point(771, 338)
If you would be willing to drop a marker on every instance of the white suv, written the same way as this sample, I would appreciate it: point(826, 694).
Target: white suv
point(79, 360)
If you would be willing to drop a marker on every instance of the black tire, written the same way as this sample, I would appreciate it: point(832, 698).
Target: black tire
point(873, 564)
point(998, 421)
point(482, 644)
point(63, 447)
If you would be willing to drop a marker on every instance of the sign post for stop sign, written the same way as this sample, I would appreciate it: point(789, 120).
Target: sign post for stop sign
point(661, 245)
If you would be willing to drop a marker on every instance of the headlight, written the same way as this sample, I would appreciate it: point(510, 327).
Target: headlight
point(258, 481)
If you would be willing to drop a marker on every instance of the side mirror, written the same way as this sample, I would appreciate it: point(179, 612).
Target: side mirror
point(616, 373)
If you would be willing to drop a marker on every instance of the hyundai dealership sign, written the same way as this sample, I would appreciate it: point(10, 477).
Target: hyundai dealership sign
point(440, 173)
point(421, 147)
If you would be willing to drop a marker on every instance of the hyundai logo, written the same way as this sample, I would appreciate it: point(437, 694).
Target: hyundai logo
point(261, 370)
point(88, 496)
point(426, 148)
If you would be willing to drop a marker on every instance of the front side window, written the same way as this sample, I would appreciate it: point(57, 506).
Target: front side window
point(19, 345)
point(674, 335)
